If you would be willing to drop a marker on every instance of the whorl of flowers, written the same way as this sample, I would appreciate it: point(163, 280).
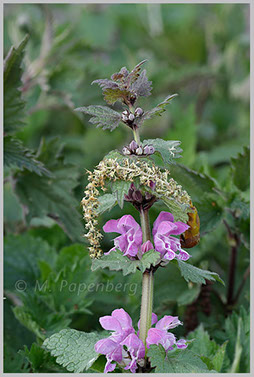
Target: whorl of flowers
point(126, 170)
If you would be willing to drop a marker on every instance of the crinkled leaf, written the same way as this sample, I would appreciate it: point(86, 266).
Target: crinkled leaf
point(102, 116)
point(142, 87)
point(73, 349)
point(135, 73)
point(17, 156)
point(53, 197)
point(13, 103)
point(106, 203)
point(180, 362)
point(119, 189)
point(158, 110)
point(241, 169)
point(116, 261)
point(196, 275)
point(113, 95)
point(169, 149)
point(178, 210)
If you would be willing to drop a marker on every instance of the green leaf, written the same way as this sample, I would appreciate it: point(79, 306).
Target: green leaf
point(13, 103)
point(102, 116)
point(21, 256)
point(201, 189)
point(211, 353)
point(73, 349)
point(26, 320)
point(196, 275)
point(158, 110)
point(119, 189)
point(17, 156)
point(106, 203)
point(178, 362)
point(116, 261)
point(178, 210)
point(40, 361)
point(168, 149)
point(241, 169)
point(52, 197)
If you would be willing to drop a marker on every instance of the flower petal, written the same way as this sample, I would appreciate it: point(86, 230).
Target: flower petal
point(110, 323)
point(166, 228)
point(163, 216)
point(127, 222)
point(168, 322)
point(180, 228)
point(122, 317)
point(105, 346)
point(111, 226)
point(181, 343)
point(183, 255)
point(146, 246)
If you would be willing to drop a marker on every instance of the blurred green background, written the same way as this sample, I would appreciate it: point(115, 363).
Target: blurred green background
point(200, 52)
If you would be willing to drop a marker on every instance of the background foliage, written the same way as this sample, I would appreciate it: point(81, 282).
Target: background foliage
point(200, 52)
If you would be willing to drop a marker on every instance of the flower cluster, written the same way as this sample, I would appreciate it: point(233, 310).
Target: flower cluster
point(139, 150)
point(164, 227)
point(126, 170)
point(125, 348)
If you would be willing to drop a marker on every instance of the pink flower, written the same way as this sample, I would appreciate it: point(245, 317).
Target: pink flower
point(130, 240)
point(164, 228)
point(160, 334)
point(123, 336)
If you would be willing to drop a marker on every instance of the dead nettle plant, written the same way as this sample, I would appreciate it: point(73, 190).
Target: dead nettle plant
point(139, 174)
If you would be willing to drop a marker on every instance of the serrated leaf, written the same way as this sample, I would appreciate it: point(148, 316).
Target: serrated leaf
point(142, 87)
point(116, 261)
point(102, 116)
point(53, 197)
point(113, 95)
point(201, 189)
point(241, 169)
point(169, 149)
point(196, 275)
point(106, 203)
point(211, 353)
point(181, 362)
point(119, 189)
point(73, 349)
point(179, 211)
point(13, 103)
point(17, 156)
point(158, 110)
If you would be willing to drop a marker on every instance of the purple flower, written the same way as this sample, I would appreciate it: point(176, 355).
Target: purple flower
point(123, 335)
point(160, 334)
point(164, 228)
point(130, 240)
point(124, 347)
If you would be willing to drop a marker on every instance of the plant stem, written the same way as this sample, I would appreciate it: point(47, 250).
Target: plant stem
point(147, 285)
point(136, 135)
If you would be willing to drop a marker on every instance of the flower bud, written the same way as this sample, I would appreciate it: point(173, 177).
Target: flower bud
point(149, 149)
point(139, 150)
point(126, 151)
point(133, 146)
point(139, 112)
point(131, 117)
